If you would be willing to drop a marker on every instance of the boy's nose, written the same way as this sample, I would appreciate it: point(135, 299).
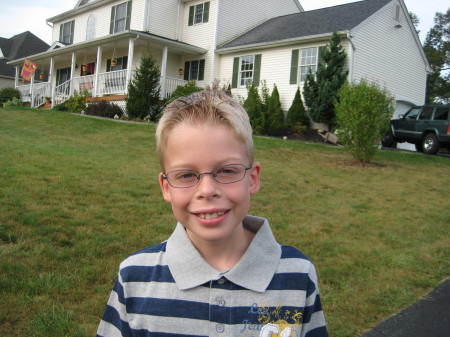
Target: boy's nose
point(207, 187)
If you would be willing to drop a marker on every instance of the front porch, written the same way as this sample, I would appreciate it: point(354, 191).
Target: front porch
point(103, 66)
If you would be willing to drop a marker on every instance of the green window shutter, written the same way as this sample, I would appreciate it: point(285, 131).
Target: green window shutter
point(294, 66)
point(235, 78)
point(201, 70)
point(127, 23)
point(206, 12)
point(113, 17)
point(321, 50)
point(257, 70)
point(187, 68)
point(61, 29)
point(72, 28)
point(108, 65)
point(191, 15)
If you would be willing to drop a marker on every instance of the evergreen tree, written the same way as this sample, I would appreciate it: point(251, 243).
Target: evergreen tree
point(437, 49)
point(275, 115)
point(253, 106)
point(296, 119)
point(144, 90)
point(321, 90)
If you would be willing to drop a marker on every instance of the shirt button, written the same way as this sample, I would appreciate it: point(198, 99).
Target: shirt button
point(221, 281)
point(220, 301)
point(220, 328)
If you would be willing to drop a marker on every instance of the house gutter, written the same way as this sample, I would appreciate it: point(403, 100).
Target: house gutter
point(279, 43)
point(350, 57)
point(214, 46)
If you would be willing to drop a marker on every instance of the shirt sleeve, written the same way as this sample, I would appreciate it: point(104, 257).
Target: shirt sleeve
point(313, 317)
point(114, 322)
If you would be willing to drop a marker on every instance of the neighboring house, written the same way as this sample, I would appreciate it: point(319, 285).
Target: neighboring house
point(231, 41)
point(17, 47)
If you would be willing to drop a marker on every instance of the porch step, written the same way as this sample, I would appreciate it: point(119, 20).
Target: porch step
point(46, 106)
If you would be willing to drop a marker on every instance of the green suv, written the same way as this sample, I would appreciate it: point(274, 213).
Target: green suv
point(428, 127)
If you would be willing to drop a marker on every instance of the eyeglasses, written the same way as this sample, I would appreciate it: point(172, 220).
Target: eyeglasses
point(227, 174)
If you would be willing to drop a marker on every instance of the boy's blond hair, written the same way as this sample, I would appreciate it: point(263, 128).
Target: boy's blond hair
point(207, 107)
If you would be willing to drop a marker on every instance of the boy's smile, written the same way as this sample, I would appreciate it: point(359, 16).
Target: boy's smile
point(210, 211)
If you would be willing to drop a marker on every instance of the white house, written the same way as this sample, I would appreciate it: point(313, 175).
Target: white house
point(227, 40)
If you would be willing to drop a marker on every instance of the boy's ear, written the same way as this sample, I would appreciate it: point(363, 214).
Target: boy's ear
point(164, 184)
point(255, 173)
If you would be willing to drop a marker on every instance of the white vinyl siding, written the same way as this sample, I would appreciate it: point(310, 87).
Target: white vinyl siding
point(157, 20)
point(390, 56)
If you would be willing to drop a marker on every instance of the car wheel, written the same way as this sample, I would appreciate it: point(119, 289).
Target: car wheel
point(430, 144)
point(389, 140)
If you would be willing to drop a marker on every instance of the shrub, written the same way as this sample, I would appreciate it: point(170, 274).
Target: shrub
point(61, 107)
point(275, 125)
point(253, 105)
point(144, 90)
point(77, 102)
point(184, 90)
point(296, 119)
point(7, 94)
point(362, 115)
point(13, 102)
point(103, 109)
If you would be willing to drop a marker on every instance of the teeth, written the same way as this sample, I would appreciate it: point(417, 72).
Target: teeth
point(209, 216)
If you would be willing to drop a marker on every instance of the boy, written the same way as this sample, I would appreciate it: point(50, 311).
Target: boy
point(221, 272)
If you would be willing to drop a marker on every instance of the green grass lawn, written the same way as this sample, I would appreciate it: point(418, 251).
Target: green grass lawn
point(78, 195)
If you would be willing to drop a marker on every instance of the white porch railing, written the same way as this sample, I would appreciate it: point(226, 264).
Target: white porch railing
point(41, 91)
point(25, 92)
point(62, 92)
point(171, 84)
point(113, 82)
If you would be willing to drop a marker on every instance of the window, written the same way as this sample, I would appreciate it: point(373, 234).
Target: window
point(413, 113)
point(199, 13)
point(120, 17)
point(66, 32)
point(194, 70)
point(246, 70)
point(426, 112)
point(90, 27)
point(62, 75)
point(441, 114)
point(308, 61)
point(121, 64)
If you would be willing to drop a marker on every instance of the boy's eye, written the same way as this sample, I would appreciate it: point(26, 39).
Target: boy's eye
point(186, 175)
point(228, 170)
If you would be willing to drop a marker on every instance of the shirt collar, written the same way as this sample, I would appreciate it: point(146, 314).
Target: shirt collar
point(254, 271)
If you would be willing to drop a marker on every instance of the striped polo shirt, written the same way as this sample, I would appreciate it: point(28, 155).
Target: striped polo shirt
point(169, 290)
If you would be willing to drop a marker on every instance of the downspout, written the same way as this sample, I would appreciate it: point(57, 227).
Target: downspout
point(177, 32)
point(350, 58)
point(213, 62)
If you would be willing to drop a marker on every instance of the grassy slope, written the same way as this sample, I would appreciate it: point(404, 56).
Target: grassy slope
point(77, 195)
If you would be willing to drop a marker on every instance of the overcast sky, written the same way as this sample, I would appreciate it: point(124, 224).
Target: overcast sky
point(18, 16)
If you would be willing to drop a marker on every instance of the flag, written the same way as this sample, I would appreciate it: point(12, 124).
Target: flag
point(29, 67)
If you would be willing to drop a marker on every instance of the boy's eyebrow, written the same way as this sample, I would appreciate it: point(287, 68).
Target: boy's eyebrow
point(221, 163)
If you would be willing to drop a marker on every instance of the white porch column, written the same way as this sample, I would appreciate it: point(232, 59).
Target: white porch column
point(130, 61)
point(162, 92)
point(72, 71)
point(51, 70)
point(16, 78)
point(97, 70)
point(32, 91)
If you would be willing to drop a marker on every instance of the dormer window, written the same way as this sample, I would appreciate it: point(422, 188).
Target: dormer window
point(120, 17)
point(66, 32)
point(199, 13)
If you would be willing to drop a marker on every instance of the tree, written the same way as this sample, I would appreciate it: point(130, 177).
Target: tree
point(437, 49)
point(362, 115)
point(253, 106)
point(144, 90)
point(296, 119)
point(275, 115)
point(415, 21)
point(321, 90)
